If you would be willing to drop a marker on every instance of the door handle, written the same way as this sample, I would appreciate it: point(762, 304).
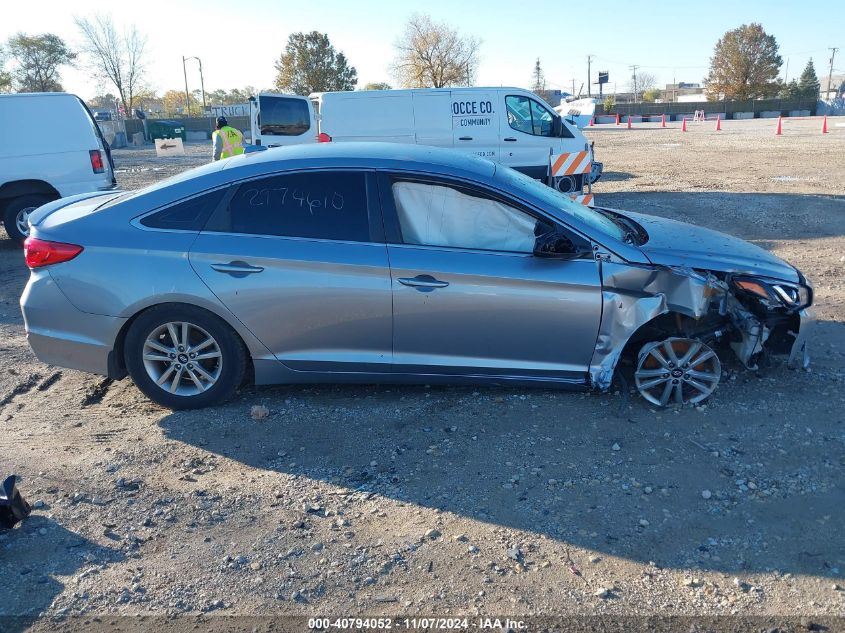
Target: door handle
point(237, 269)
point(464, 138)
point(510, 139)
point(424, 283)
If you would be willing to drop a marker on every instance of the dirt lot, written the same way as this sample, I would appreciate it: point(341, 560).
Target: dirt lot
point(460, 501)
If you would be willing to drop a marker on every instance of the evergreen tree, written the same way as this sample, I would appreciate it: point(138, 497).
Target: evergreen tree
point(808, 83)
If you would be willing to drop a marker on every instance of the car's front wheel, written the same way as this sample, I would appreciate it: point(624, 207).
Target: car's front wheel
point(183, 357)
point(16, 215)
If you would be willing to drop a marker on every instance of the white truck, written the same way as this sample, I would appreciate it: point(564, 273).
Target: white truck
point(511, 126)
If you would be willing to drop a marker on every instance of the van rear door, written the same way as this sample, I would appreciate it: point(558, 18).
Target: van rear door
point(283, 120)
point(475, 123)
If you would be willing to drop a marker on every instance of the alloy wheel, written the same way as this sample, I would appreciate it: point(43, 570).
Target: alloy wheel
point(22, 220)
point(182, 358)
point(677, 371)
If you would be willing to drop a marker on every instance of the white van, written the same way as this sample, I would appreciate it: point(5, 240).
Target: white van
point(53, 149)
point(511, 126)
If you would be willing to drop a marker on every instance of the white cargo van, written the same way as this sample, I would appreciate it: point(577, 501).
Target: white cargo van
point(511, 126)
point(53, 149)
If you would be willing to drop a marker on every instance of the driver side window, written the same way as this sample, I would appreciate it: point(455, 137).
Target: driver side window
point(529, 116)
point(440, 215)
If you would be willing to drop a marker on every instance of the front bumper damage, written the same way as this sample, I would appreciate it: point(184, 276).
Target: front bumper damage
point(634, 296)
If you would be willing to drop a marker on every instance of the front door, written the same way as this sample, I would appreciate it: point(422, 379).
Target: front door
point(527, 134)
point(300, 260)
point(468, 295)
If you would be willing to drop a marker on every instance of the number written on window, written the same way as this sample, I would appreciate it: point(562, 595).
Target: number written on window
point(322, 205)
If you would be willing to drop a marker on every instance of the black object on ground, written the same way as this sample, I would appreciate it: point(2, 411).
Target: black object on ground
point(13, 507)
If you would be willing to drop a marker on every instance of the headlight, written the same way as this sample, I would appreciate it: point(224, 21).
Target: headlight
point(776, 292)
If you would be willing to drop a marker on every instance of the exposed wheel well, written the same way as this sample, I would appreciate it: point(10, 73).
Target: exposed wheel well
point(18, 188)
point(119, 362)
point(659, 328)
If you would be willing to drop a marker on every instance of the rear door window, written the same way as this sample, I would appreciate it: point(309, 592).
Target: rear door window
point(329, 205)
point(284, 116)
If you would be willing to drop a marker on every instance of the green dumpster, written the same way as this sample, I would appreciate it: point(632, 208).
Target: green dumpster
point(163, 128)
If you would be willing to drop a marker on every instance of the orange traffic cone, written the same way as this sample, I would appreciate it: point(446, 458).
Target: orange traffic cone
point(617, 119)
point(684, 127)
point(629, 121)
point(591, 122)
point(824, 125)
point(662, 120)
point(780, 126)
point(718, 122)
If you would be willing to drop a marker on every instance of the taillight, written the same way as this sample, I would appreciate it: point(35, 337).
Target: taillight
point(322, 137)
point(97, 161)
point(40, 253)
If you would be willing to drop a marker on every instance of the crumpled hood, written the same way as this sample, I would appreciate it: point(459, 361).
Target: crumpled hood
point(673, 243)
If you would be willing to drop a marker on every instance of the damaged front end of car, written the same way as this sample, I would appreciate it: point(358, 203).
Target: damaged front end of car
point(673, 322)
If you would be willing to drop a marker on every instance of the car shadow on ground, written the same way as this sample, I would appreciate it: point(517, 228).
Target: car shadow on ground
point(730, 489)
point(26, 588)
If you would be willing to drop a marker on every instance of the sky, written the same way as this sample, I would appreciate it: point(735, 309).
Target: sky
point(673, 42)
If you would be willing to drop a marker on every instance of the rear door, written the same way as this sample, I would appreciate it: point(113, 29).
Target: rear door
point(299, 258)
point(284, 120)
point(475, 126)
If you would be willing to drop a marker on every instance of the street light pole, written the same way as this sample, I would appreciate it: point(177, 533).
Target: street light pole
point(187, 97)
point(202, 81)
point(202, 86)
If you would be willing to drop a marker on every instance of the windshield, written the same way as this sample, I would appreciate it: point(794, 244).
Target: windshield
point(535, 189)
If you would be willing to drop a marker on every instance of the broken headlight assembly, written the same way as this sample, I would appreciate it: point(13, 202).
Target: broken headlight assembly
point(775, 294)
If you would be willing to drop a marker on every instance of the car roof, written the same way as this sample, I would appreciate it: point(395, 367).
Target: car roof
point(363, 154)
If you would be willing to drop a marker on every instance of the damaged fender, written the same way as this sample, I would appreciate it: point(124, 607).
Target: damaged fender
point(633, 296)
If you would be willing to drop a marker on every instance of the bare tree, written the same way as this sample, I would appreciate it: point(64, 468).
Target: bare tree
point(641, 82)
point(115, 57)
point(434, 55)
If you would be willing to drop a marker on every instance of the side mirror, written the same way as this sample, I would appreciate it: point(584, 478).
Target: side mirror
point(556, 245)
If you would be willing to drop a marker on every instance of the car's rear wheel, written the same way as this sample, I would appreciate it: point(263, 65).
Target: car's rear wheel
point(183, 357)
point(16, 215)
point(677, 371)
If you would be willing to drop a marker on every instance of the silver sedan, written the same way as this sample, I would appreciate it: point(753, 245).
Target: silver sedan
point(386, 263)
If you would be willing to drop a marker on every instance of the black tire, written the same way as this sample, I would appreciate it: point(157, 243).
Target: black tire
point(15, 207)
point(233, 356)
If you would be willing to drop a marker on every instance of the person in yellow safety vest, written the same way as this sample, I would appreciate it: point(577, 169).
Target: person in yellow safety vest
point(227, 140)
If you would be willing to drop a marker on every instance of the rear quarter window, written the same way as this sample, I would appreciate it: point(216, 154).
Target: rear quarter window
point(188, 215)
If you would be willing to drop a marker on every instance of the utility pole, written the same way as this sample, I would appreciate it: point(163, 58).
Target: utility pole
point(589, 80)
point(636, 92)
point(830, 72)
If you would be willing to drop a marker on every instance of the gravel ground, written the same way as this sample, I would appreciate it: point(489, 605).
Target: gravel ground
point(460, 501)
